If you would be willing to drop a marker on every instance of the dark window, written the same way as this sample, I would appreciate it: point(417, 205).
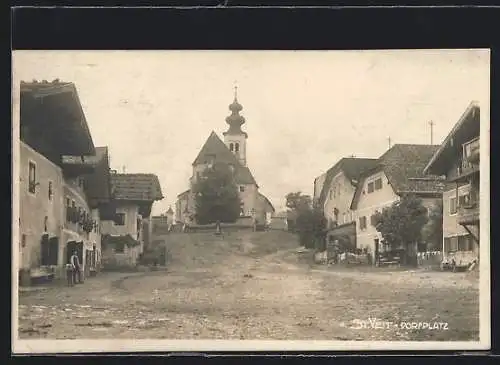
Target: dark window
point(370, 187)
point(362, 222)
point(453, 206)
point(120, 219)
point(378, 184)
point(50, 250)
point(50, 190)
point(236, 147)
point(242, 189)
point(32, 178)
point(231, 147)
point(463, 243)
point(372, 220)
point(463, 200)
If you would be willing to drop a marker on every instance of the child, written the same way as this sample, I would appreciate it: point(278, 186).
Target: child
point(69, 274)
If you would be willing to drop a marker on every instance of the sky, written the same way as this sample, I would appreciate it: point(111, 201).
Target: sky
point(304, 110)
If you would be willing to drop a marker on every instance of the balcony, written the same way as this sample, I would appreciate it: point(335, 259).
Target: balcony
point(468, 214)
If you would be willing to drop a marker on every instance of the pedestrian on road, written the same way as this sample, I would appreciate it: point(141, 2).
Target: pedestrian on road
point(75, 264)
point(69, 274)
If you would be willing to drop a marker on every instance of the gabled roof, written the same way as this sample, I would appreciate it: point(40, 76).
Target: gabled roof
point(214, 148)
point(136, 187)
point(403, 164)
point(170, 211)
point(352, 168)
point(184, 193)
point(55, 108)
point(467, 127)
point(98, 183)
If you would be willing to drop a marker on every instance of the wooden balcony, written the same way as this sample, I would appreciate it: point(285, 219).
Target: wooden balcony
point(468, 214)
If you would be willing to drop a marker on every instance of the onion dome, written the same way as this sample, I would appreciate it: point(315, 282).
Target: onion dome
point(235, 120)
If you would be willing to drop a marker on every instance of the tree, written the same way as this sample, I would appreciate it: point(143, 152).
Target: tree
point(310, 221)
point(297, 201)
point(401, 225)
point(432, 233)
point(216, 196)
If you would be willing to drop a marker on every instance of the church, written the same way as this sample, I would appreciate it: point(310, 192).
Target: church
point(232, 152)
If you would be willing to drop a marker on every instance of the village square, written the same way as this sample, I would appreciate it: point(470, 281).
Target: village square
point(383, 247)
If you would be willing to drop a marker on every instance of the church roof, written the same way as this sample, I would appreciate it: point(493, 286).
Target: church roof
point(214, 147)
point(216, 150)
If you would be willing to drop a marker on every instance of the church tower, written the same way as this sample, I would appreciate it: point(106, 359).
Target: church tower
point(234, 138)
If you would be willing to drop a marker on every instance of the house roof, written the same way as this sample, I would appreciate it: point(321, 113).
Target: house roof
point(54, 108)
point(467, 127)
point(184, 193)
point(352, 168)
point(136, 187)
point(214, 148)
point(170, 211)
point(403, 165)
point(98, 183)
point(267, 201)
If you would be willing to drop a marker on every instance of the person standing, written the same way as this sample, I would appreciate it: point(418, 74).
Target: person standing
point(75, 264)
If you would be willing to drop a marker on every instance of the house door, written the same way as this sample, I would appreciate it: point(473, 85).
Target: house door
point(74, 246)
point(377, 250)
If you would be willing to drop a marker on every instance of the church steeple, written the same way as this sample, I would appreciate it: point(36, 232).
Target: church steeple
point(234, 137)
point(235, 120)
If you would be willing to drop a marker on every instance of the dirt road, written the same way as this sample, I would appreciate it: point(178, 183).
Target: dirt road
point(254, 285)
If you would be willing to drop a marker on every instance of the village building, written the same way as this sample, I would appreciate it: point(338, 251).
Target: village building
point(126, 235)
point(57, 159)
point(458, 159)
point(338, 186)
point(398, 171)
point(255, 207)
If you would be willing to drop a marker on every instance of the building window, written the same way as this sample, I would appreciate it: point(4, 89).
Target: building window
point(119, 219)
point(50, 250)
point(236, 147)
point(370, 187)
point(453, 206)
point(242, 189)
point(231, 147)
point(463, 243)
point(120, 247)
point(463, 200)
point(344, 218)
point(50, 190)
point(378, 184)
point(362, 223)
point(32, 178)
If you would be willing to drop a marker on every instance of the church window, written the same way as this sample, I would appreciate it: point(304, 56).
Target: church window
point(242, 189)
point(231, 147)
point(236, 147)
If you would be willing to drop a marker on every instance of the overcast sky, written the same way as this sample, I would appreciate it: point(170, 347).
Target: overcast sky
point(304, 110)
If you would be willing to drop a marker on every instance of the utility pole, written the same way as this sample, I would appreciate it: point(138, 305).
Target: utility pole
point(431, 123)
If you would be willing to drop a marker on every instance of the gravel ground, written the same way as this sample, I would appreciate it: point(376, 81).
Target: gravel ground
point(254, 285)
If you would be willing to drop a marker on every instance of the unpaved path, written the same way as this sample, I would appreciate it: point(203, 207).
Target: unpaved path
point(249, 285)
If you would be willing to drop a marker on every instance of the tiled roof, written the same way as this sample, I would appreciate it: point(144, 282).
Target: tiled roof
point(467, 127)
point(403, 164)
point(136, 187)
point(183, 194)
point(215, 148)
point(243, 176)
point(98, 183)
point(71, 135)
point(352, 168)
